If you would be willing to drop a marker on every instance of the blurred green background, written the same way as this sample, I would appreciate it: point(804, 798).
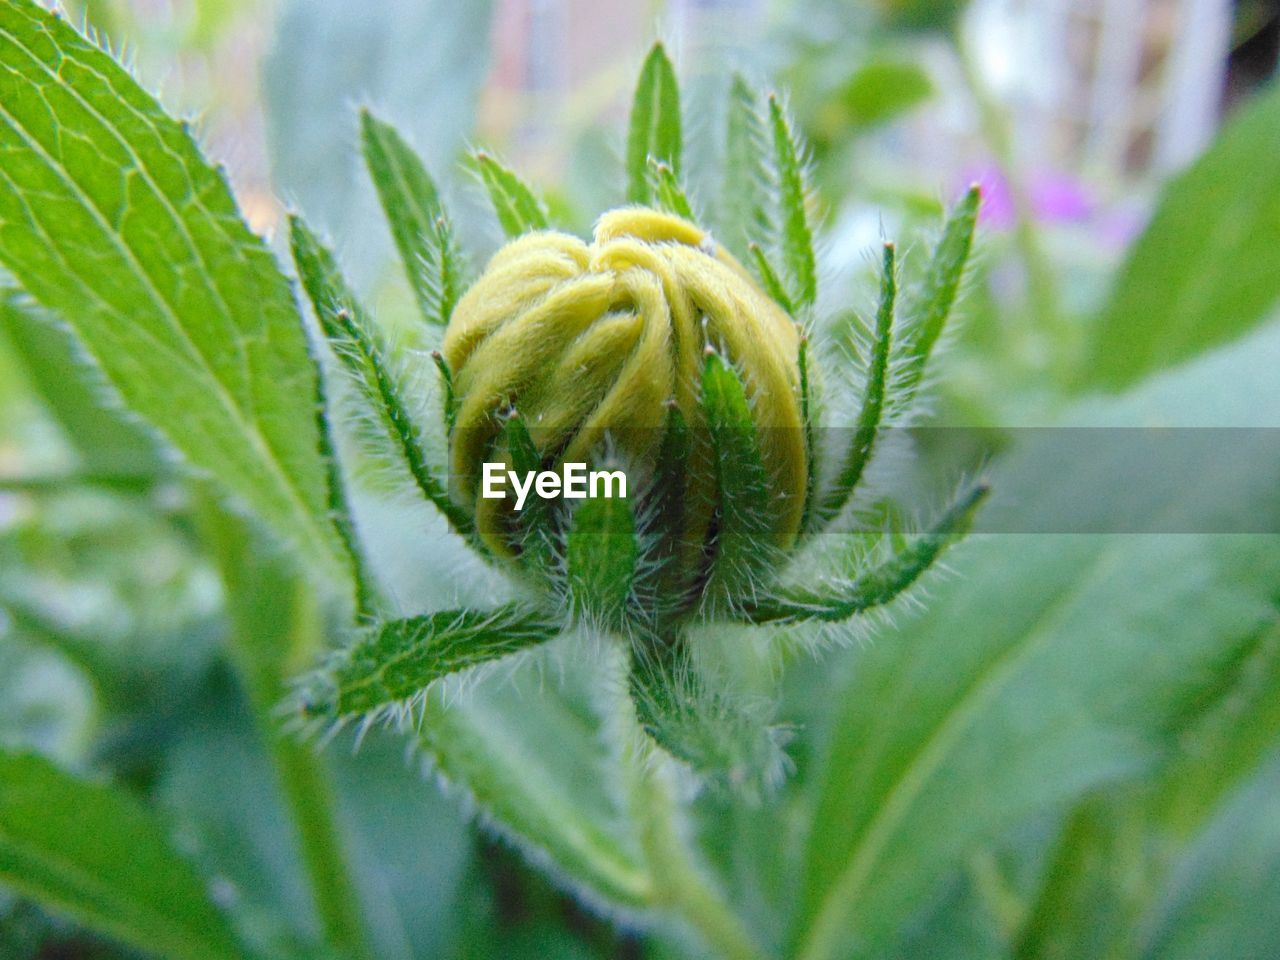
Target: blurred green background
point(1130, 244)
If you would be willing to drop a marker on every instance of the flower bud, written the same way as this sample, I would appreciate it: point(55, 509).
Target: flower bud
point(595, 347)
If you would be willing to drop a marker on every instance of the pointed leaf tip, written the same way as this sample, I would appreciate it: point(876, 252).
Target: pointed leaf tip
point(796, 241)
point(655, 126)
point(517, 207)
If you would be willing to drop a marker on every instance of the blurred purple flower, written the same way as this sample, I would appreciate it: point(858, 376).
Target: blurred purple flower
point(1055, 197)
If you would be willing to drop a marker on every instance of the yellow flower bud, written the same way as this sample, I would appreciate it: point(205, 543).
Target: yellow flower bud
point(593, 344)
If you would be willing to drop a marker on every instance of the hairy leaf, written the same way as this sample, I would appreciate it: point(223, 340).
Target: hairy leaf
point(600, 557)
point(879, 585)
point(668, 194)
point(873, 399)
point(534, 761)
point(397, 661)
point(536, 537)
point(91, 852)
point(796, 239)
point(930, 309)
point(770, 279)
point(356, 343)
point(422, 234)
point(519, 210)
point(655, 124)
point(745, 199)
point(110, 216)
point(744, 517)
point(1137, 855)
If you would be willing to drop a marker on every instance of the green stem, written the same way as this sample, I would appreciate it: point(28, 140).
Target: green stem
point(680, 884)
point(276, 630)
point(63, 482)
point(309, 797)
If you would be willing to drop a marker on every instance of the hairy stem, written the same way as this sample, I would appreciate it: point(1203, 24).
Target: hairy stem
point(681, 885)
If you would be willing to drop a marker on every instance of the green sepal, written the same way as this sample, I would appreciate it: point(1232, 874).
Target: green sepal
point(423, 235)
point(92, 853)
point(655, 124)
point(809, 417)
point(518, 208)
point(601, 554)
point(796, 240)
point(535, 524)
point(871, 416)
point(448, 400)
point(931, 308)
point(392, 664)
point(879, 585)
point(728, 741)
point(667, 192)
point(743, 547)
point(769, 278)
point(357, 345)
point(745, 199)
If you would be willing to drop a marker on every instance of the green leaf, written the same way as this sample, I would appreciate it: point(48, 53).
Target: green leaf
point(519, 210)
point(600, 557)
point(107, 443)
point(881, 584)
point(1204, 272)
point(745, 199)
point(872, 413)
point(356, 342)
point(655, 124)
point(1136, 852)
point(1009, 705)
point(1055, 664)
point(667, 192)
point(530, 755)
point(448, 400)
point(881, 90)
point(1223, 901)
point(110, 217)
point(744, 518)
point(770, 279)
point(793, 195)
point(396, 662)
point(726, 738)
point(91, 852)
point(1075, 914)
point(422, 234)
point(930, 308)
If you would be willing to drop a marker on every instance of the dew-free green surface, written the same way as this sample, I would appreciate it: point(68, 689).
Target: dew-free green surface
point(93, 853)
point(110, 217)
point(1206, 269)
